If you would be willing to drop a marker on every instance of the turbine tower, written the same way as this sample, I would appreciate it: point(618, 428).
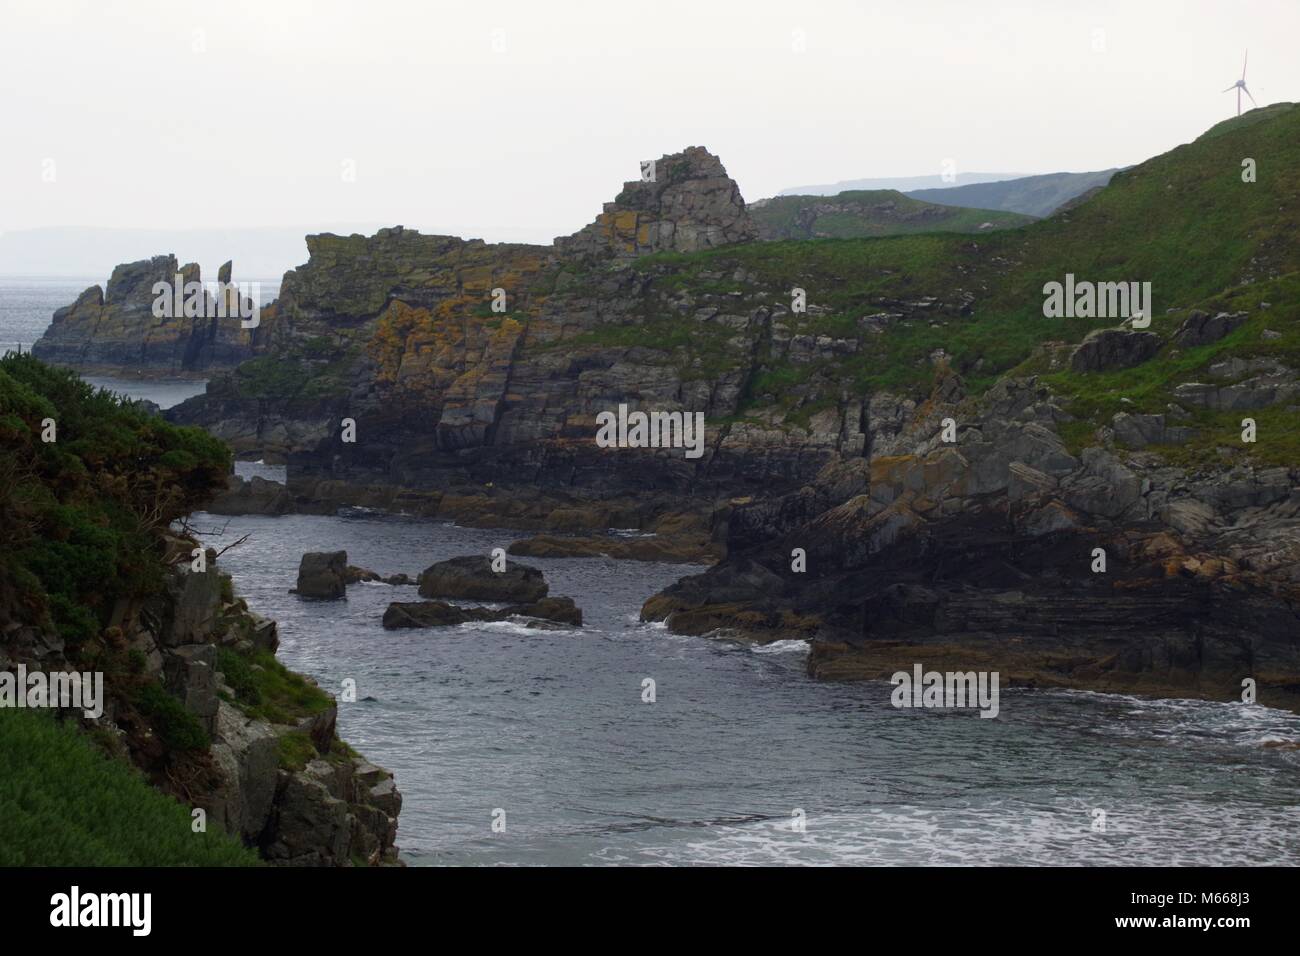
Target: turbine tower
point(1240, 85)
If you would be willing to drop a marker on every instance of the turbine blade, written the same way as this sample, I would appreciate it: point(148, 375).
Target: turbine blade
point(1231, 88)
point(1243, 65)
point(1252, 99)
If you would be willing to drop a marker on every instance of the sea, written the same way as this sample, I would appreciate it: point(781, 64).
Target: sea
point(620, 743)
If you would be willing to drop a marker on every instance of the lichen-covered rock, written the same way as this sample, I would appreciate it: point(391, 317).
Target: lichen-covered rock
point(489, 417)
point(983, 551)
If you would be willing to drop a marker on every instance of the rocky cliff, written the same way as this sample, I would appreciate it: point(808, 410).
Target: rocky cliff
point(948, 456)
point(999, 548)
point(269, 768)
point(115, 330)
point(465, 366)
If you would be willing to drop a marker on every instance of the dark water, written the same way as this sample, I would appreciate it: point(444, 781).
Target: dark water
point(27, 303)
point(550, 727)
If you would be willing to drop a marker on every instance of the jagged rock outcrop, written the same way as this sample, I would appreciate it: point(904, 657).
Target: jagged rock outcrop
point(115, 329)
point(690, 204)
point(323, 575)
point(434, 376)
point(324, 806)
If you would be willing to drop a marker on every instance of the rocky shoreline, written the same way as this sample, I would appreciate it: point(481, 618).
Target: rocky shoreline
point(983, 553)
point(853, 489)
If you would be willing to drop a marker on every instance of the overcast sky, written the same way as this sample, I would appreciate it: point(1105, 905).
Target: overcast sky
point(491, 115)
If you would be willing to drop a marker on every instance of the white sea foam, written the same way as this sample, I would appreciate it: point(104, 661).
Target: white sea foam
point(792, 646)
point(1170, 833)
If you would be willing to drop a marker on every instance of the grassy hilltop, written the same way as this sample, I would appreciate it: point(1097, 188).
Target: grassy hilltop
point(1185, 221)
point(857, 214)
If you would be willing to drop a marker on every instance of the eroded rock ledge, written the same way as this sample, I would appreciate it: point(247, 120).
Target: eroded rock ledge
point(979, 554)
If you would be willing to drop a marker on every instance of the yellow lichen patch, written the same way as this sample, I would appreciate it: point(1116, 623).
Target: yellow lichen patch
point(388, 343)
point(625, 223)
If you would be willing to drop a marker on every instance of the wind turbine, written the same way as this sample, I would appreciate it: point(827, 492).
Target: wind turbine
point(1240, 85)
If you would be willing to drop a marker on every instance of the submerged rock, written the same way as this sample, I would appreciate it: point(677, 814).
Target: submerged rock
point(471, 578)
point(401, 614)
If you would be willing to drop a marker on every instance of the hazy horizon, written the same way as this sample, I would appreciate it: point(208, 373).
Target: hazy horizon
point(506, 115)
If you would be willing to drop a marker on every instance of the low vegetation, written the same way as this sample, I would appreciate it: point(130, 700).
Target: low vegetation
point(68, 804)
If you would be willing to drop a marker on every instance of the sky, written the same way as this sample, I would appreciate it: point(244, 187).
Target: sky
point(518, 120)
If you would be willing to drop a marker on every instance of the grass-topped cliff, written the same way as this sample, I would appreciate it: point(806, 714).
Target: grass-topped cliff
point(396, 332)
point(1185, 221)
point(97, 576)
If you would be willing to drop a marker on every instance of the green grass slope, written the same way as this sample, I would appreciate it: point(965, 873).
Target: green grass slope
point(1035, 196)
point(1184, 221)
point(64, 803)
point(875, 212)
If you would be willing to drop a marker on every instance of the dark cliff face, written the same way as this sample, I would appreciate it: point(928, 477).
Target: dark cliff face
point(1003, 550)
point(116, 330)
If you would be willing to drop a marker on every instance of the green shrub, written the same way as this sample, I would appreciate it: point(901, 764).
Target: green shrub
point(240, 676)
point(179, 729)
